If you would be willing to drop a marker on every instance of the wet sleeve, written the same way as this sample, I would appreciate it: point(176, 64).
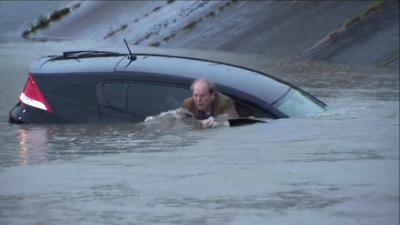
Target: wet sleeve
point(186, 104)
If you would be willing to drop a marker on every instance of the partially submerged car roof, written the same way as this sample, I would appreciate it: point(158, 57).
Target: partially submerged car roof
point(224, 75)
point(230, 76)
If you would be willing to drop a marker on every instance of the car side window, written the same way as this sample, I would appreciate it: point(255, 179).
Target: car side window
point(246, 109)
point(151, 99)
point(139, 100)
point(115, 95)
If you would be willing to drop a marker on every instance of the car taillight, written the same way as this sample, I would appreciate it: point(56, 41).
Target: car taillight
point(32, 96)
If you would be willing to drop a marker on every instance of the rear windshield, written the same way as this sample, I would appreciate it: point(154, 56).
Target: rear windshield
point(295, 104)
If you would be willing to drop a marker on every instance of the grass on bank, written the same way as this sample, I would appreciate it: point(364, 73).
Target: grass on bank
point(44, 21)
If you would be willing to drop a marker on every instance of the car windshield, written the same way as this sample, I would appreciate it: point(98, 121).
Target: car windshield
point(295, 104)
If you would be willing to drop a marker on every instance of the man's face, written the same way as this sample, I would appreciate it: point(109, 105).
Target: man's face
point(202, 96)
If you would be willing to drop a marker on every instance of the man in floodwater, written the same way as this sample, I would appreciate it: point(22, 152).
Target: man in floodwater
point(206, 104)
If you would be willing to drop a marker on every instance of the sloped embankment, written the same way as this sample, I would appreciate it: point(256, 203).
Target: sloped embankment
point(354, 32)
point(371, 35)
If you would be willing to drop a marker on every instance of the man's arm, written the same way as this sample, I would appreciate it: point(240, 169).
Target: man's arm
point(189, 105)
point(230, 109)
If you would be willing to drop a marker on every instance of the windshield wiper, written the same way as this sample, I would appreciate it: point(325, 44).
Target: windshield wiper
point(92, 53)
point(89, 53)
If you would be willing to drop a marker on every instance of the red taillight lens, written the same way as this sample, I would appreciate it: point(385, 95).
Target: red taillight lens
point(32, 96)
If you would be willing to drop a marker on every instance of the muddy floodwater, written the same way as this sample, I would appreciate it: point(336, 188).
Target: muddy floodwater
point(339, 167)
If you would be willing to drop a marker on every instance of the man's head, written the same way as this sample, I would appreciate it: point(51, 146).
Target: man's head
point(203, 93)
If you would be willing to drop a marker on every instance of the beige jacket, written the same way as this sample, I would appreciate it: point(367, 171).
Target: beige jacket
point(222, 105)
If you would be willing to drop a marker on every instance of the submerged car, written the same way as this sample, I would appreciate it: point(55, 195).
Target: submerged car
point(100, 86)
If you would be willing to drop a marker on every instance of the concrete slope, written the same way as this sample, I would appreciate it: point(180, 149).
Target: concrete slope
point(273, 28)
point(15, 16)
point(372, 36)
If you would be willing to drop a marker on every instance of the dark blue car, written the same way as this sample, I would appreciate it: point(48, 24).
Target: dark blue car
point(98, 86)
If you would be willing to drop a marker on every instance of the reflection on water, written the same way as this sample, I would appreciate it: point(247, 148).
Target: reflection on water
point(32, 145)
point(23, 149)
point(42, 143)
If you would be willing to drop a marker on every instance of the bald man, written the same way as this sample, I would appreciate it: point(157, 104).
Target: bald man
point(207, 103)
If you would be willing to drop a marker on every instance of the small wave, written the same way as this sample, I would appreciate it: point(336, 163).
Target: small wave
point(177, 114)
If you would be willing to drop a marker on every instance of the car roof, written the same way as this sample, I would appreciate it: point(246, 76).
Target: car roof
point(252, 82)
point(47, 65)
